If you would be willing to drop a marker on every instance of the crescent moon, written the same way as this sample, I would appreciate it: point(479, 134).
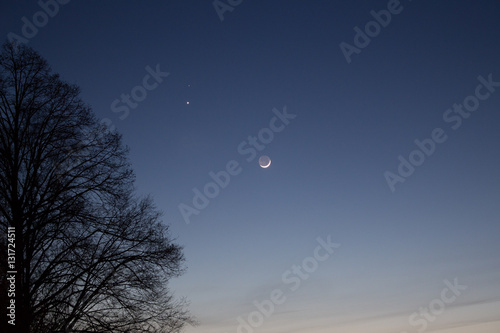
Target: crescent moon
point(264, 162)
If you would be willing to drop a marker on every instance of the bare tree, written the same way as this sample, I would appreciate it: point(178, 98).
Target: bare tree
point(90, 255)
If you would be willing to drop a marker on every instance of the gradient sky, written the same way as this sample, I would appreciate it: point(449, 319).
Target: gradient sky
point(353, 120)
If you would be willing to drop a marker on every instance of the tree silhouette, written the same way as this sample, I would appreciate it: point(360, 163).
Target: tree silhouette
point(90, 255)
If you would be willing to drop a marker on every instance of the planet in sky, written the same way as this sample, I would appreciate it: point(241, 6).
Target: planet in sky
point(264, 161)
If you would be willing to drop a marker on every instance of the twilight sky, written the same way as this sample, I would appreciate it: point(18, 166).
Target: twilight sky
point(380, 211)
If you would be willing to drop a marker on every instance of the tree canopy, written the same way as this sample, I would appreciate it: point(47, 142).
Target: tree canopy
point(90, 255)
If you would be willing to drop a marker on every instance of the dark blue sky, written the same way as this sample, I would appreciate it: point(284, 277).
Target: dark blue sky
point(401, 245)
